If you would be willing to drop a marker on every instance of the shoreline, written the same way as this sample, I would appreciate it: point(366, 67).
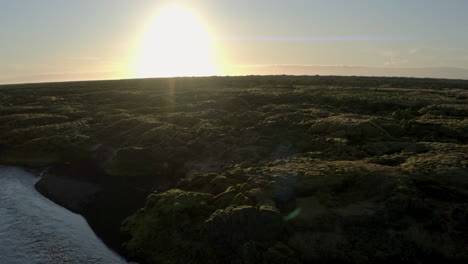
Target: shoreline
point(44, 218)
point(89, 199)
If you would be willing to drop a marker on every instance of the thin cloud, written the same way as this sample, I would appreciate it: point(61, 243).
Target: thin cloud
point(310, 38)
point(90, 58)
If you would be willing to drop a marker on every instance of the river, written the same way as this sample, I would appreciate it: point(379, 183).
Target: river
point(34, 230)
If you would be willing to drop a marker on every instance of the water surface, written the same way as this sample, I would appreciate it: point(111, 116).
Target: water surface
point(34, 230)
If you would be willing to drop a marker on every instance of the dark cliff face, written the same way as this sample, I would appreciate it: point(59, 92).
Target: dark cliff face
point(104, 200)
point(282, 168)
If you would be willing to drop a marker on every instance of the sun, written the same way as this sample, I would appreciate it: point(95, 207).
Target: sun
point(176, 44)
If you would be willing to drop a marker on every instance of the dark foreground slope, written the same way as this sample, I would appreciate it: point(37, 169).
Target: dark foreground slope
point(274, 169)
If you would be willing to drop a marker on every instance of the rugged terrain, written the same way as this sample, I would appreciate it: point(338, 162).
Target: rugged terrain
point(273, 169)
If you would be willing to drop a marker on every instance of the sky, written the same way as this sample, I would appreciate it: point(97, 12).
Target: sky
point(57, 40)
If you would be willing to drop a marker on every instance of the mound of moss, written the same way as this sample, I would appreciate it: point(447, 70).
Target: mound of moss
point(167, 229)
point(303, 210)
point(209, 226)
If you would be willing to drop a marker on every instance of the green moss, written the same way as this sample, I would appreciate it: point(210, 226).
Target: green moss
point(225, 198)
point(231, 227)
point(240, 199)
point(170, 223)
point(132, 162)
point(28, 158)
point(360, 160)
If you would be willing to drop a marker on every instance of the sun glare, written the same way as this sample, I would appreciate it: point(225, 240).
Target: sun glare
point(176, 44)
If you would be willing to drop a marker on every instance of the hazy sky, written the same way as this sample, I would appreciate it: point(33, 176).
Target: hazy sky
point(51, 40)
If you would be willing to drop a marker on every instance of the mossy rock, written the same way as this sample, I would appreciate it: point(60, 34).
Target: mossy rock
point(280, 253)
point(29, 158)
point(261, 196)
point(225, 198)
point(245, 187)
point(389, 160)
point(170, 223)
point(231, 227)
point(260, 253)
point(132, 162)
point(231, 197)
point(320, 247)
point(440, 174)
point(453, 110)
point(355, 127)
point(240, 200)
point(221, 183)
point(200, 182)
point(348, 182)
point(209, 182)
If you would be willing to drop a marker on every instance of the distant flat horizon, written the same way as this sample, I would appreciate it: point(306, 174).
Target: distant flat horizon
point(264, 70)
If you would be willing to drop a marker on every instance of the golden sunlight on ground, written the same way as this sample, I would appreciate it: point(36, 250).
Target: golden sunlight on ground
point(176, 44)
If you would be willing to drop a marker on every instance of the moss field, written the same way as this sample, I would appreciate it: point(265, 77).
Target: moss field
point(255, 169)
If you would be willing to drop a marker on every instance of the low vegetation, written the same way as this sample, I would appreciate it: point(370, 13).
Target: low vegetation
point(274, 169)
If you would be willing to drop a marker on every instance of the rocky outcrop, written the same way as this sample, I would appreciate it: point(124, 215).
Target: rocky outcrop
point(304, 210)
point(168, 228)
point(232, 227)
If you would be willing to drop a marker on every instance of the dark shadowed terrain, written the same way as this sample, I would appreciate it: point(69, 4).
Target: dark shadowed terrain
point(273, 169)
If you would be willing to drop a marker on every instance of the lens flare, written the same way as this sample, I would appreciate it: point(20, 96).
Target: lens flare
point(292, 215)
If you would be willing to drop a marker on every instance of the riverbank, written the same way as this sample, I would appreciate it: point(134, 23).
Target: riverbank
point(36, 230)
point(86, 190)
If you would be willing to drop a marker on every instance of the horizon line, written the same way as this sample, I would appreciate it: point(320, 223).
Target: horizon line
point(227, 76)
